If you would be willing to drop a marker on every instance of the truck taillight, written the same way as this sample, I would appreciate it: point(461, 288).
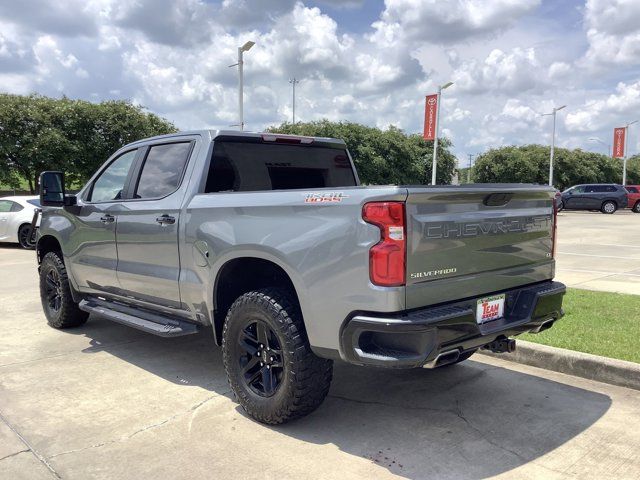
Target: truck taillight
point(387, 258)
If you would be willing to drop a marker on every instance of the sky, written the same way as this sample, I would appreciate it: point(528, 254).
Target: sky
point(367, 61)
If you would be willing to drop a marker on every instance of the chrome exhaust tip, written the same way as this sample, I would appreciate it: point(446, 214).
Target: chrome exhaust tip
point(444, 358)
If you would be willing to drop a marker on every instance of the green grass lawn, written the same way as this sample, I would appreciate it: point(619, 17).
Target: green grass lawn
point(601, 323)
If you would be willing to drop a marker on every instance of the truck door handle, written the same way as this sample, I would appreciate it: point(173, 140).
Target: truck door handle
point(107, 219)
point(166, 220)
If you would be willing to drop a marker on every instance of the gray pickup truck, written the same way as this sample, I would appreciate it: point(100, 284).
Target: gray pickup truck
point(270, 241)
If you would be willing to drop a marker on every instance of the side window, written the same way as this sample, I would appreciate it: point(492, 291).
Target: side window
point(579, 189)
point(632, 189)
point(611, 188)
point(111, 182)
point(162, 170)
point(5, 206)
point(16, 207)
point(590, 189)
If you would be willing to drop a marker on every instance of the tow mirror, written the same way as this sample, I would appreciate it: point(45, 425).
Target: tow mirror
point(52, 192)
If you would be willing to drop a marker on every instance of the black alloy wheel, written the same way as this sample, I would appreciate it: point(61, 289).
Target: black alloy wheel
point(53, 291)
point(260, 358)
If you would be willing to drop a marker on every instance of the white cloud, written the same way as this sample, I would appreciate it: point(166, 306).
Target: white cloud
point(559, 70)
point(172, 56)
point(447, 22)
point(510, 72)
point(613, 33)
point(611, 111)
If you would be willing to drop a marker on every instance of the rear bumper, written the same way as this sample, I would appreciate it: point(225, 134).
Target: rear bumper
point(417, 338)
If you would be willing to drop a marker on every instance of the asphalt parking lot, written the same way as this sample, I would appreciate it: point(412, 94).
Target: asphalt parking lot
point(599, 252)
point(106, 401)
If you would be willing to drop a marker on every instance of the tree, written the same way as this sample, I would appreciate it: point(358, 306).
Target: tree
point(39, 133)
point(633, 170)
point(530, 164)
point(382, 156)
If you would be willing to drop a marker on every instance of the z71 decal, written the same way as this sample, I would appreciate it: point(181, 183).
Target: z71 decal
point(331, 197)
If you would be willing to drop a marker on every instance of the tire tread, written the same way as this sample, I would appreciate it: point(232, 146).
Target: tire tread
point(70, 315)
point(311, 375)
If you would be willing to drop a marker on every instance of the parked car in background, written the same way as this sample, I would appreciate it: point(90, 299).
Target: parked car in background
point(633, 201)
point(595, 196)
point(16, 214)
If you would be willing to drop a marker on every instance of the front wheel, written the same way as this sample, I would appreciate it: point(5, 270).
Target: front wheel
point(609, 207)
point(560, 206)
point(24, 237)
point(636, 207)
point(270, 366)
point(55, 293)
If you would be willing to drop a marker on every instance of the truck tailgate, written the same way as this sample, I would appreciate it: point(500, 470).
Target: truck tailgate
point(471, 240)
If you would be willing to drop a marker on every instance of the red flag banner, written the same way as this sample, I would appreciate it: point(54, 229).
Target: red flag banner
point(430, 110)
point(618, 142)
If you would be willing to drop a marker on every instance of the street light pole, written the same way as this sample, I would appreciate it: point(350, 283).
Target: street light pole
point(626, 146)
point(244, 48)
point(596, 139)
point(471, 155)
point(293, 85)
point(435, 141)
point(553, 142)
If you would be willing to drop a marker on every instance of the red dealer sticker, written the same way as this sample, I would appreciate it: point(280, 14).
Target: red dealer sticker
point(331, 197)
point(490, 308)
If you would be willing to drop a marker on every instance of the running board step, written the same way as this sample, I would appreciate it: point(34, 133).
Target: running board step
point(151, 323)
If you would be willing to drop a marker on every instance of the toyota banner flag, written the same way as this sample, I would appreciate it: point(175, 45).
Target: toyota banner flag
point(618, 142)
point(430, 110)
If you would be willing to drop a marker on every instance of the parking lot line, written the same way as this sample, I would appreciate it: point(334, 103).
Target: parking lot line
point(600, 272)
point(596, 256)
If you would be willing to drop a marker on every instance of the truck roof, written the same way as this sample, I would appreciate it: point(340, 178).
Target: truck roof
point(235, 133)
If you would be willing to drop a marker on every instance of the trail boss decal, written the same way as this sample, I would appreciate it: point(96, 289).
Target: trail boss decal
point(331, 197)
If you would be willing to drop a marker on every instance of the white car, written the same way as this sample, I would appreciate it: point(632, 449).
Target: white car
point(16, 214)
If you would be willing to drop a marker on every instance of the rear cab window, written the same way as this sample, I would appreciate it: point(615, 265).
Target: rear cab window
point(162, 170)
point(246, 164)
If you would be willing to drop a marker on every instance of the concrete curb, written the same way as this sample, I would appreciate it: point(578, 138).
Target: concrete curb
point(585, 365)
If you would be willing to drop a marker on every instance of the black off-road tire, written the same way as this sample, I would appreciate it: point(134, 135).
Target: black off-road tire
point(609, 207)
point(636, 207)
point(303, 379)
point(24, 235)
point(55, 293)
